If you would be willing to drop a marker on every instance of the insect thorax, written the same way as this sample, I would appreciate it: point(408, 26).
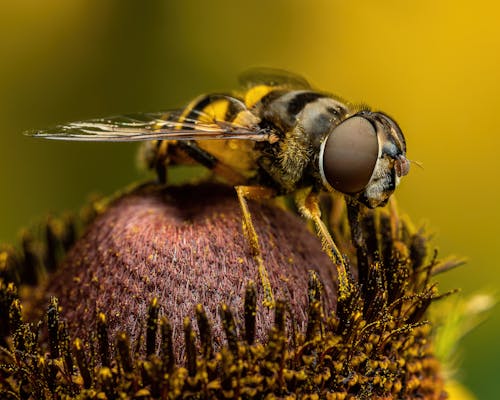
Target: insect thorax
point(301, 119)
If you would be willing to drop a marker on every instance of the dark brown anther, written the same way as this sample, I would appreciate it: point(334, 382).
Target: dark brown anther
point(397, 281)
point(31, 261)
point(105, 378)
point(418, 251)
point(227, 374)
point(51, 370)
point(15, 322)
point(347, 310)
point(229, 327)
point(250, 311)
point(53, 327)
point(375, 295)
point(65, 346)
point(313, 320)
point(314, 287)
point(8, 293)
point(279, 317)
point(420, 305)
point(152, 327)
point(152, 377)
point(166, 346)
point(314, 310)
point(205, 330)
point(190, 343)
point(14, 312)
point(52, 248)
point(69, 232)
point(123, 347)
point(103, 339)
point(82, 362)
point(41, 368)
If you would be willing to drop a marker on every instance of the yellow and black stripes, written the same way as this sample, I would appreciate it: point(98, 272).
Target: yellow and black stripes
point(300, 99)
point(279, 110)
point(212, 107)
point(215, 155)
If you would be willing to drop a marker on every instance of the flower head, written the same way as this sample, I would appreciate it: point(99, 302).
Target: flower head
point(156, 299)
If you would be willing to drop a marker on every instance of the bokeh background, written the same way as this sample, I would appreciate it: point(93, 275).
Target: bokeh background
point(434, 65)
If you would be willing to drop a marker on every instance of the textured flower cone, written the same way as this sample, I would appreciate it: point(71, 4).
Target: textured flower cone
point(161, 298)
point(184, 246)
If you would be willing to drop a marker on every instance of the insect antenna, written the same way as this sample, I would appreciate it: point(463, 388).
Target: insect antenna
point(417, 163)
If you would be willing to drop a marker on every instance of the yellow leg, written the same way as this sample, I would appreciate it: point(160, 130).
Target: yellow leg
point(255, 192)
point(308, 205)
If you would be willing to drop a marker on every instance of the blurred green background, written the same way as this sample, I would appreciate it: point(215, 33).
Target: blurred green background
point(433, 65)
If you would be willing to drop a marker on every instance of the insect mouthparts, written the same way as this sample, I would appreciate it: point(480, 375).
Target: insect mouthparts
point(402, 166)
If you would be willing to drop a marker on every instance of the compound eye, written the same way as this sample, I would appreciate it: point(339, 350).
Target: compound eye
point(349, 155)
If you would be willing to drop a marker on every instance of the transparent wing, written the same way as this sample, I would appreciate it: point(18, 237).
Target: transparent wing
point(272, 77)
point(152, 126)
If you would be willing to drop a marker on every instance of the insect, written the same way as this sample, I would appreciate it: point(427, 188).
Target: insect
point(277, 136)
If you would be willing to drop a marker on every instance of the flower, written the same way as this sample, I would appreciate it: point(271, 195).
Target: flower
point(160, 298)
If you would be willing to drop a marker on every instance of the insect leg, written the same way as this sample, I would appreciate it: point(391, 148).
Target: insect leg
point(255, 192)
point(155, 154)
point(308, 205)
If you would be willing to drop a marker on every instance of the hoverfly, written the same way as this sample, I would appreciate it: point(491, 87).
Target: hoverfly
point(278, 136)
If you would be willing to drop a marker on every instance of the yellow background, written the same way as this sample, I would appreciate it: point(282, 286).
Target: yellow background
point(433, 65)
